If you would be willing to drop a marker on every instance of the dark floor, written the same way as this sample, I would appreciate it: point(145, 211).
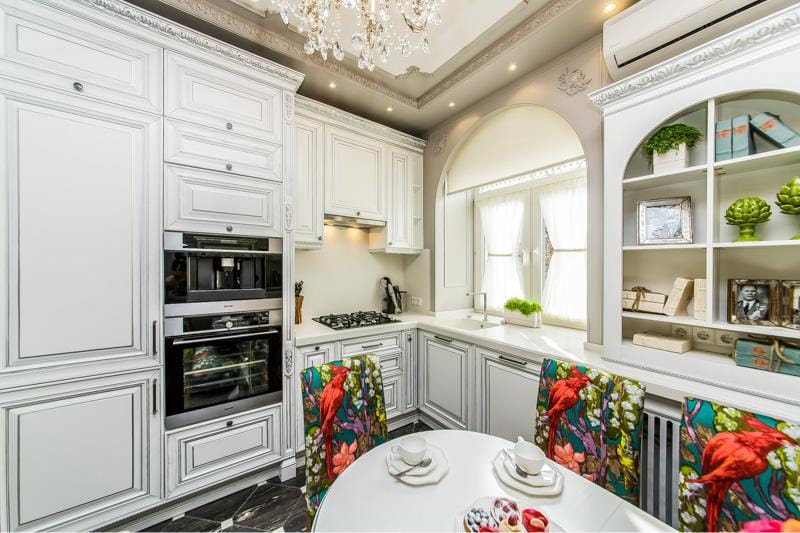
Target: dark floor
point(267, 507)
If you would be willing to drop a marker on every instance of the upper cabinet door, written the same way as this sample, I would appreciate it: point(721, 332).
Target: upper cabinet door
point(401, 210)
point(57, 50)
point(214, 97)
point(308, 194)
point(82, 230)
point(212, 202)
point(355, 175)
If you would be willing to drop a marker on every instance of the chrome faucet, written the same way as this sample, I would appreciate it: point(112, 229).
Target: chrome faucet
point(485, 315)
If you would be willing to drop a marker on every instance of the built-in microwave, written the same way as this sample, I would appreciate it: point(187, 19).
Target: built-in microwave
point(201, 270)
point(222, 364)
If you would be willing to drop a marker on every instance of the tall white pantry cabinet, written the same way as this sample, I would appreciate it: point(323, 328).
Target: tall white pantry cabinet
point(95, 98)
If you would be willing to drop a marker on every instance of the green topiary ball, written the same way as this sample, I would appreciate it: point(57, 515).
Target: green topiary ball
point(749, 210)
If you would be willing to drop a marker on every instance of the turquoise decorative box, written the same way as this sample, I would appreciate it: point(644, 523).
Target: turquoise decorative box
point(768, 354)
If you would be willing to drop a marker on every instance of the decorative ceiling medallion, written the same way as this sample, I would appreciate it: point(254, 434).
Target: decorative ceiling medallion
point(413, 72)
point(441, 144)
point(571, 82)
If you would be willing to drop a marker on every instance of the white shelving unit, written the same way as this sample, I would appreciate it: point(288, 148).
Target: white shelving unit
point(750, 78)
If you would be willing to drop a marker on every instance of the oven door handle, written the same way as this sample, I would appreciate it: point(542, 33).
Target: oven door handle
point(227, 251)
point(182, 342)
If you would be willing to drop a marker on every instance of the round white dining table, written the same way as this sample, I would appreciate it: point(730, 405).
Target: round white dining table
point(366, 498)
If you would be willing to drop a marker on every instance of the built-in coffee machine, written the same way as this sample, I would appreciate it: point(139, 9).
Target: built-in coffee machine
point(223, 325)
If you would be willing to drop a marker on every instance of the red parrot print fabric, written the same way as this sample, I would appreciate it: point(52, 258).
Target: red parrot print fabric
point(736, 467)
point(344, 418)
point(591, 423)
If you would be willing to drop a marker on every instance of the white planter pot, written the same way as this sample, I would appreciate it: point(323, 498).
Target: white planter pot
point(534, 320)
point(671, 161)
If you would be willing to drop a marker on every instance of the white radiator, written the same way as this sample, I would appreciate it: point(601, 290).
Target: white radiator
point(660, 463)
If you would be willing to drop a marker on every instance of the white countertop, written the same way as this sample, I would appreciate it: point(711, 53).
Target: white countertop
point(535, 344)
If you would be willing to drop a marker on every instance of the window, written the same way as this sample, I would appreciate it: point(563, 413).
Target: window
point(531, 242)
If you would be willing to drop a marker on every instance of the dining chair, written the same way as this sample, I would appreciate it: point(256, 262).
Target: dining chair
point(591, 423)
point(736, 467)
point(344, 417)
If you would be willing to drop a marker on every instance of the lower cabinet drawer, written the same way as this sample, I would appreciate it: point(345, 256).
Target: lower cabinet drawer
point(209, 453)
point(372, 344)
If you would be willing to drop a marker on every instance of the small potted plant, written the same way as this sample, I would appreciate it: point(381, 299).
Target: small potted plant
point(298, 302)
point(746, 213)
point(668, 148)
point(789, 199)
point(523, 313)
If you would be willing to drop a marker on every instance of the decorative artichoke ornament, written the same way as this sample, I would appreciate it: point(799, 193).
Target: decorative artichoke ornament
point(789, 199)
point(746, 213)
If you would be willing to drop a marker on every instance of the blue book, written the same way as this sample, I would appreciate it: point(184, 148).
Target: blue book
point(723, 146)
point(775, 131)
point(742, 137)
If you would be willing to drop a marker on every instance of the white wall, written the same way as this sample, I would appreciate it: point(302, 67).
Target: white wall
point(344, 276)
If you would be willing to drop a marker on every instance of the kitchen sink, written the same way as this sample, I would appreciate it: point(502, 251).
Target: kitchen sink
point(470, 324)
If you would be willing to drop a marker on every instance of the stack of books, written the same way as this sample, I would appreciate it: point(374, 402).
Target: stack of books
point(734, 137)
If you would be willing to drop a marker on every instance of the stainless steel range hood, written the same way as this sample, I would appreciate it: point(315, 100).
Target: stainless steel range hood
point(353, 222)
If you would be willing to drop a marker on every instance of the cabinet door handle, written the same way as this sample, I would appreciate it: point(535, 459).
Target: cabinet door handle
point(369, 346)
point(228, 166)
point(155, 337)
point(229, 228)
point(513, 361)
point(155, 396)
point(443, 339)
point(319, 238)
point(228, 125)
point(78, 86)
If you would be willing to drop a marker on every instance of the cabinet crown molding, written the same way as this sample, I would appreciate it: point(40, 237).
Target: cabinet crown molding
point(780, 31)
point(354, 121)
point(179, 33)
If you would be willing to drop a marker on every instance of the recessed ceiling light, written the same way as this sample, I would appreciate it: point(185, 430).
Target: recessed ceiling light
point(332, 85)
point(389, 109)
point(512, 67)
point(451, 104)
point(611, 6)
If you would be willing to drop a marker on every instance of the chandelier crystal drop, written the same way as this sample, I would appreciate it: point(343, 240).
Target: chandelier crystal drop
point(383, 26)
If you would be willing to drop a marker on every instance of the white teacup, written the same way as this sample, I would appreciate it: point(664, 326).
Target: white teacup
point(411, 450)
point(528, 456)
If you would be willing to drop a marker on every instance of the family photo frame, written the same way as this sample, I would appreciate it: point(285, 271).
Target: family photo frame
point(764, 302)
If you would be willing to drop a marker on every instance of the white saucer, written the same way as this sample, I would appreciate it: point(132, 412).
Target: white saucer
point(546, 477)
point(433, 473)
point(507, 479)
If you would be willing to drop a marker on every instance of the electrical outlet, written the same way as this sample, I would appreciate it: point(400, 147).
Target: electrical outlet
point(725, 338)
point(416, 300)
point(682, 332)
point(703, 335)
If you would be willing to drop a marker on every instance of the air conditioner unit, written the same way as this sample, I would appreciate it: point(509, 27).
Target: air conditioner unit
point(652, 31)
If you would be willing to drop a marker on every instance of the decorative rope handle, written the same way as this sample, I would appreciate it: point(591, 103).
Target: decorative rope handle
point(640, 292)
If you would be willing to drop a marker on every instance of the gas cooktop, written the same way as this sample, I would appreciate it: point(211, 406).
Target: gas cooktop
point(359, 319)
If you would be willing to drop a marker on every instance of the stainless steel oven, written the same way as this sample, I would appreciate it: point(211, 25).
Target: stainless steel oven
point(203, 270)
point(221, 364)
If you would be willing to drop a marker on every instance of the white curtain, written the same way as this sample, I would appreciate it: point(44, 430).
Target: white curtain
point(563, 206)
point(501, 221)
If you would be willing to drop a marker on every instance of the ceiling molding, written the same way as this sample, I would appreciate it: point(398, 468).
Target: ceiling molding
point(356, 122)
point(502, 45)
point(728, 49)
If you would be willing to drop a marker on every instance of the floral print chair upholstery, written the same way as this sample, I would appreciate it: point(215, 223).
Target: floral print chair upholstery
point(736, 467)
point(344, 418)
point(591, 422)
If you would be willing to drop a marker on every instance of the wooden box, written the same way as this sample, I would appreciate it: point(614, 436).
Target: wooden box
point(644, 306)
point(662, 342)
point(655, 297)
point(776, 357)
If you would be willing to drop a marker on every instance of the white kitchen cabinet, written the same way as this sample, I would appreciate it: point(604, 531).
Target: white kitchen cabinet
point(392, 394)
point(309, 183)
point(507, 390)
point(205, 454)
point(82, 206)
point(60, 51)
point(410, 369)
point(445, 371)
point(81, 452)
point(208, 95)
point(355, 175)
point(202, 147)
point(404, 177)
point(213, 202)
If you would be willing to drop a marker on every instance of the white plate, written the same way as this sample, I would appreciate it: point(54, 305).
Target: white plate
point(506, 479)
point(545, 478)
point(433, 473)
point(487, 501)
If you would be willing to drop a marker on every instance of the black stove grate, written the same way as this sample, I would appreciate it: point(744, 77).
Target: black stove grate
point(359, 319)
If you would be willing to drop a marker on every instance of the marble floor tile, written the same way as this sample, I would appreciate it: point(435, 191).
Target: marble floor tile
point(268, 507)
point(223, 508)
point(297, 519)
point(242, 529)
point(187, 523)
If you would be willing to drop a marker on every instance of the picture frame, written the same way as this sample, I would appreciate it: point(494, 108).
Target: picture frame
point(790, 304)
point(665, 221)
point(754, 301)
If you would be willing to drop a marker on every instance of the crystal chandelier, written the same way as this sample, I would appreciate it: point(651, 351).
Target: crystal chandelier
point(383, 26)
